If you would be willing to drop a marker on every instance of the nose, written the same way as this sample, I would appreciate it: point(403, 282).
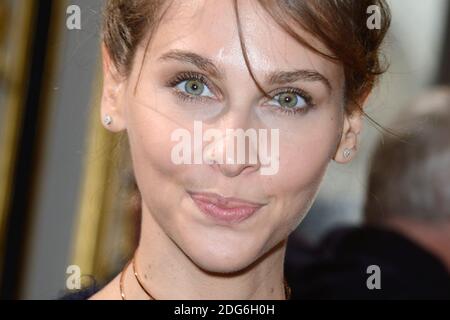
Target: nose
point(234, 152)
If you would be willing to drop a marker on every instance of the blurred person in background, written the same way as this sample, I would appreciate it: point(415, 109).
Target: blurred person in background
point(402, 250)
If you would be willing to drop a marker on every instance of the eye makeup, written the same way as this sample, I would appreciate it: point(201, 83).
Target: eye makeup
point(288, 94)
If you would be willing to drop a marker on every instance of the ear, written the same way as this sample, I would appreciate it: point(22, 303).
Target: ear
point(348, 144)
point(111, 102)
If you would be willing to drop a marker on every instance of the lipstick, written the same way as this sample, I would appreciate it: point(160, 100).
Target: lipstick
point(224, 209)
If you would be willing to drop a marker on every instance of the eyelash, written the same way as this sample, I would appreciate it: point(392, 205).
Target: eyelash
point(189, 76)
point(299, 110)
point(185, 97)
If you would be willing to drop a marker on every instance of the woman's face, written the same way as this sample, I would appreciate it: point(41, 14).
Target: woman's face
point(194, 70)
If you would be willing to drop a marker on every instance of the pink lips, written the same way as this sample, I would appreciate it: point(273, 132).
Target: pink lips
point(223, 209)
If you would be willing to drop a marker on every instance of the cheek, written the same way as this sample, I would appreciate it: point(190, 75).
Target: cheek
point(150, 142)
point(304, 163)
point(304, 157)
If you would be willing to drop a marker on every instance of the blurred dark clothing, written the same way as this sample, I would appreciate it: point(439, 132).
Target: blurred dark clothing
point(337, 267)
point(299, 254)
point(89, 289)
point(82, 294)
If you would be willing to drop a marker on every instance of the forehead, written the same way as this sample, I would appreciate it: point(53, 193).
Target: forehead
point(210, 28)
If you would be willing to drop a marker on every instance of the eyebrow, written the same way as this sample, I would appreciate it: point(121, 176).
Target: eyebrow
point(274, 78)
point(284, 77)
point(203, 63)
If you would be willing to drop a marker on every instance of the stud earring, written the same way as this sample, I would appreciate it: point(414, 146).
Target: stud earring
point(107, 120)
point(347, 152)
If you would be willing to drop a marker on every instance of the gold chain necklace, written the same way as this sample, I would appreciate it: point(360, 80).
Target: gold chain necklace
point(287, 289)
point(136, 275)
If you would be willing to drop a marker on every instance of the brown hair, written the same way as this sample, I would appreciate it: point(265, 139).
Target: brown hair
point(341, 25)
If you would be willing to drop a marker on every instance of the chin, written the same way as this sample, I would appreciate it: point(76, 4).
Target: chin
point(218, 264)
point(219, 258)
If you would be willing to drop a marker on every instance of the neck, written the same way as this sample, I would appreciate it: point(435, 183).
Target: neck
point(168, 273)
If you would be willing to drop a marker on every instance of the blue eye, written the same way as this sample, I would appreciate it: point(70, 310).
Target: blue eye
point(194, 87)
point(291, 101)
